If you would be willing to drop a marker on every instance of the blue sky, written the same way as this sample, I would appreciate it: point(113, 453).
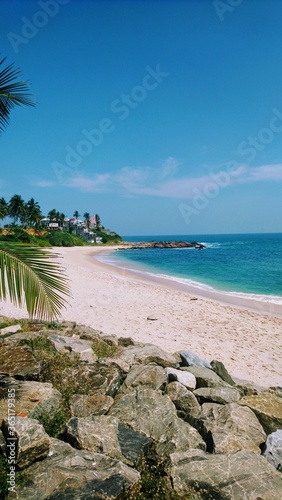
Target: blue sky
point(163, 116)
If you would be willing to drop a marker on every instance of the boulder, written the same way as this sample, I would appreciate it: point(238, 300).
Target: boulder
point(268, 409)
point(275, 390)
point(30, 440)
point(93, 379)
point(86, 332)
point(150, 375)
point(144, 355)
point(32, 399)
point(154, 415)
point(221, 395)
point(183, 399)
point(231, 428)
point(125, 341)
point(84, 406)
point(68, 473)
point(110, 339)
point(205, 377)
point(219, 368)
point(189, 358)
point(76, 345)
point(185, 378)
point(273, 449)
point(19, 362)
point(247, 388)
point(243, 475)
point(106, 434)
point(8, 330)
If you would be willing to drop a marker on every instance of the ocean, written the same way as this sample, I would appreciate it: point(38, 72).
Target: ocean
point(242, 265)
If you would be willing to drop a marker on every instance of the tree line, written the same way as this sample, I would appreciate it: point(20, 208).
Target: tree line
point(29, 213)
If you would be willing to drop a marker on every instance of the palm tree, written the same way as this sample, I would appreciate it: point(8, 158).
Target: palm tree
point(33, 213)
point(27, 275)
point(26, 272)
point(12, 93)
point(3, 208)
point(87, 219)
point(98, 222)
point(76, 214)
point(62, 219)
point(52, 215)
point(16, 208)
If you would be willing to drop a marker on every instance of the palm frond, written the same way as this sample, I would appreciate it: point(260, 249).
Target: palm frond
point(28, 273)
point(12, 93)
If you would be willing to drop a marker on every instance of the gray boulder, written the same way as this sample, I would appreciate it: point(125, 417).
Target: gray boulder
point(84, 406)
point(76, 345)
point(221, 395)
point(219, 368)
point(268, 409)
point(205, 377)
point(243, 475)
point(248, 388)
point(110, 339)
point(19, 362)
point(33, 399)
point(126, 341)
point(232, 428)
point(8, 330)
point(71, 474)
point(92, 379)
point(30, 440)
point(273, 449)
point(144, 355)
point(183, 399)
point(189, 358)
point(154, 415)
point(150, 375)
point(106, 434)
point(185, 378)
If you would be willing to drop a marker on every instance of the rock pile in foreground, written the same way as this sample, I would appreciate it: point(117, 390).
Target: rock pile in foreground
point(92, 409)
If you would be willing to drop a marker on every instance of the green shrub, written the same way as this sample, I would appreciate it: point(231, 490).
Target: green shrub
point(103, 349)
point(4, 469)
point(53, 424)
point(64, 239)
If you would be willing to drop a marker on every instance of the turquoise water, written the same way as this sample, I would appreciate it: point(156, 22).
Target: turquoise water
point(238, 264)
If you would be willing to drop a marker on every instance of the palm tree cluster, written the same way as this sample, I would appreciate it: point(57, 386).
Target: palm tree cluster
point(56, 216)
point(28, 214)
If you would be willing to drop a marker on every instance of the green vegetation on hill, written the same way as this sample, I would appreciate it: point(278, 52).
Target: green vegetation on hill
point(109, 238)
point(40, 238)
point(48, 238)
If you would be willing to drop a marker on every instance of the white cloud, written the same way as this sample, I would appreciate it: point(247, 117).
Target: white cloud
point(165, 181)
point(96, 184)
point(266, 173)
point(42, 183)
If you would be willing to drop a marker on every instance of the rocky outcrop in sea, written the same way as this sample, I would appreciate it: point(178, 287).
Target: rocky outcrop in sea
point(162, 244)
point(96, 416)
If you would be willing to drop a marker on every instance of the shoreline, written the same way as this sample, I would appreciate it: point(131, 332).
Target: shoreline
point(116, 301)
point(234, 299)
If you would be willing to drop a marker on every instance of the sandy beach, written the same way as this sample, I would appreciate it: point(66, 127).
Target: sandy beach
point(118, 302)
